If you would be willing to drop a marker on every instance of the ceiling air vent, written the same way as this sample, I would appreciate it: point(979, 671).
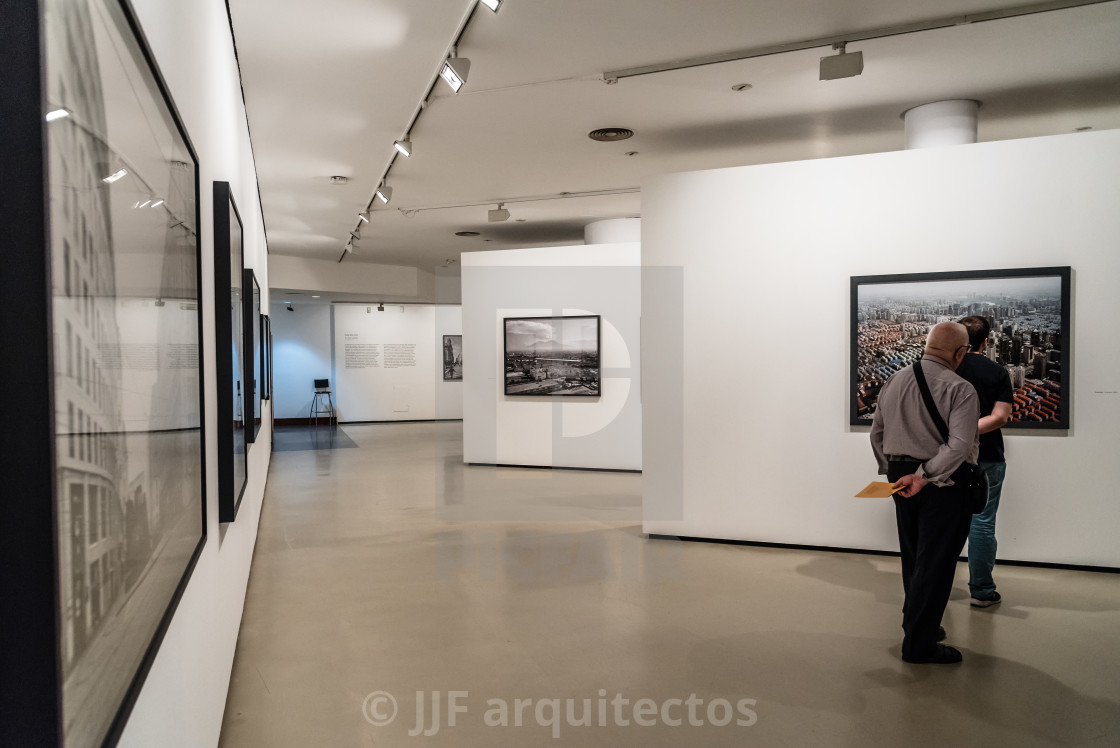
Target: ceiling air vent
point(610, 134)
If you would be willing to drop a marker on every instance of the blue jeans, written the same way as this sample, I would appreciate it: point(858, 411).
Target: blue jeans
point(982, 536)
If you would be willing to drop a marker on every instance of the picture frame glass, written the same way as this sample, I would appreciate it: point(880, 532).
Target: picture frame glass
point(552, 356)
point(1029, 313)
point(127, 381)
point(452, 358)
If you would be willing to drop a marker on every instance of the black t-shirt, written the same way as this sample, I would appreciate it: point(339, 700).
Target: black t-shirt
point(993, 385)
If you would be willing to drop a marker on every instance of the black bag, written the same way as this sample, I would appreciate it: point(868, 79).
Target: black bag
point(975, 480)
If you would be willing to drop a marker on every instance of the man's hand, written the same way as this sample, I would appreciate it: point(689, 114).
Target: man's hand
point(913, 483)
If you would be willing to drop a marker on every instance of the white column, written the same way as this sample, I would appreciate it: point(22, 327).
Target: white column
point(941, 123)
point(613, 231)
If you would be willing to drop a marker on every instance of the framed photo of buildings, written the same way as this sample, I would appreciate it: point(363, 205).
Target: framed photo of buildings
point(1029, 311)
point(266, 357)
point(554, 356)
point(452, 358)
point(108, 521)
point(253, 354)
point(229, 343)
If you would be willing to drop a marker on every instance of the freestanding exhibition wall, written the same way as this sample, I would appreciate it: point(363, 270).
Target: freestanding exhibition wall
point(748, 439)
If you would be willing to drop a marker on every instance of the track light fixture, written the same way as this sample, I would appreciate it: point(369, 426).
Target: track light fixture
point(498, 215)
point(492, 4)
point(843, 65)
point(454, 72)
point(384, 193)
point(364, 216)
point(355, 234)
point(403, 147)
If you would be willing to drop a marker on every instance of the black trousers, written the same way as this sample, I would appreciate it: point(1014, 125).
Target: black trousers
point(932, 527)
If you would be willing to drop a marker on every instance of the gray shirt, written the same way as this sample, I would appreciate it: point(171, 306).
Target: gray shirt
point(903, 426)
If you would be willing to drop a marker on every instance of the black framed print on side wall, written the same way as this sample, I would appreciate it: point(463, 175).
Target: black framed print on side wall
point(266, 357)
point(1029, 311)
point(252, 359)
point(229, 342)
point(452, 358)
point(109, 520)
point(552, 356)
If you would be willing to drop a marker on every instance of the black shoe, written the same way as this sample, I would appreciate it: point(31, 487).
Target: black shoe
point(995, 599)
point(943, 655)
point(941, 634)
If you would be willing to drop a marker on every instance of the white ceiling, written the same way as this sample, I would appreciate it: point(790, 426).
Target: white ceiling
point(330, 85)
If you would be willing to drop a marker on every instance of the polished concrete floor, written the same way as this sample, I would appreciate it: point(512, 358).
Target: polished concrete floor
point(393, 568)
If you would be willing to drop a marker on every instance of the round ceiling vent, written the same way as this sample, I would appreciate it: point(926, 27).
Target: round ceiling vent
point(466, 233)
point(610, 134)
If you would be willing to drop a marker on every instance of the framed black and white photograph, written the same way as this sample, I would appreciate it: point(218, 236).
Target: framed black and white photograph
point(266, 357)
point(252, 358)
point(1029, 311)
point(552, 356)
point(229, 341)
point(452, 358)
point(112, 264)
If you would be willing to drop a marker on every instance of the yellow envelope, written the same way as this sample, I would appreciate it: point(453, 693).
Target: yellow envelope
point(878, 490)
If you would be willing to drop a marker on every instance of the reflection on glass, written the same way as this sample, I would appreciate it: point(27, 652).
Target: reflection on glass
point(237, 321)
point(126, 379)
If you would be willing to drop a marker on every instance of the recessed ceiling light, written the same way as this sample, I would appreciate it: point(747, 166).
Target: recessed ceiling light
point(314, 296)
point(339, 180)
point(610, 134)
point(742, 87)
point(467, 233)
point(157, 203)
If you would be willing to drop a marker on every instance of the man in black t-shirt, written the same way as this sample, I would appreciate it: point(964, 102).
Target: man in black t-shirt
point(993, 386)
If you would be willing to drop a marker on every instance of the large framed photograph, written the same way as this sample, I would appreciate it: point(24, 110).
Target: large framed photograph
point(106, 519)
point(229, 343)
point(552, 356)
point(1029, 311)
point(266, 357)
point(252, 360)
point(452, 358)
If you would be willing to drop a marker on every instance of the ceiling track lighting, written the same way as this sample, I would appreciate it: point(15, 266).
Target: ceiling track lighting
point(54, 114)
point(384, 193)
point(844, 65)
point(499, 215)
point(115, 176)
point(454, 72)
point(364, 217)
point(493, 5)
point(404, 147)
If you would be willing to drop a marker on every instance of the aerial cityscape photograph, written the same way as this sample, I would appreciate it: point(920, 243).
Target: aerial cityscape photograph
point(893, 319)
point(552, 356)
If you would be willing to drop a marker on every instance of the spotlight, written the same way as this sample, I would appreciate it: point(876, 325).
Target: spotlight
point(356, 234)
point(843, 65)
point(381, 307)
point(384, 193)
point(57, 114)
point(492, 4)
point(364, 216)
point(290, 309)
point(454, 72)
point(501, 214)
point(404, 147)
point(349, 247)
point(119, 174)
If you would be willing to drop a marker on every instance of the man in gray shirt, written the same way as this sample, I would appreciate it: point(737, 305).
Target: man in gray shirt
point(930, 510)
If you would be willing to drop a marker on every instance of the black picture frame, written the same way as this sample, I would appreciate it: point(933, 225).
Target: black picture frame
point(890, 315)
point(229, 344)
point(527, 374)
point(266, 357)
point(452, 366)
point(252, 361)
point(76, 543)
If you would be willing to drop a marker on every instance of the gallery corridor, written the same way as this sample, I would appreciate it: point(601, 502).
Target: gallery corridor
point(530, 601)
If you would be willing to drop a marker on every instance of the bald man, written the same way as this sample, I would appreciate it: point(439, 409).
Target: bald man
point(930, 510)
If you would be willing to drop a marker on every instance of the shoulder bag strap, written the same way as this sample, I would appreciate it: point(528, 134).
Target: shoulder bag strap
point(927, 397)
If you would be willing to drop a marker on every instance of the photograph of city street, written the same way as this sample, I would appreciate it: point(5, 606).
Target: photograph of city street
point(1029, 314)
point(452, 358)
point(552, 356)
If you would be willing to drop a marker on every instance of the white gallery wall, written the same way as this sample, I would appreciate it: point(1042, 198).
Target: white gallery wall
point(388, 364)
point(183, 698)
point(603, 432)
point(746, 431)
